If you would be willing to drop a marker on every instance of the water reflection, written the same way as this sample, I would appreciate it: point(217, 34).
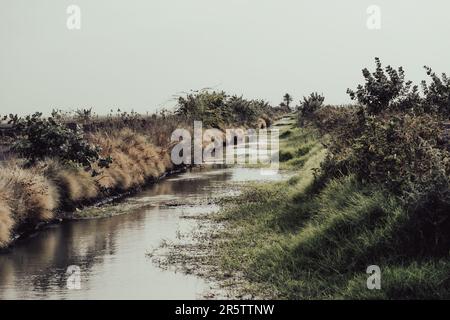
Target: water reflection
point(111, 251)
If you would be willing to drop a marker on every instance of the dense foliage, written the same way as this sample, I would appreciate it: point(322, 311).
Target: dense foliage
point(378, 195)
point(40, 138)
point(309, 106)
point(387, 90)
point(218, 110)
point(394, 138)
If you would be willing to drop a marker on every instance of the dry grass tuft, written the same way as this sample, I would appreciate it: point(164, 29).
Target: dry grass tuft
point(6, 222)
point(25, 195)
point(135, 159)
point(29, 194)
point(74, 182)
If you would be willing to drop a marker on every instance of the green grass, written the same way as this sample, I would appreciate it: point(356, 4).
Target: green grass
point(298, 240)
point(297, 145)
point(425, 280)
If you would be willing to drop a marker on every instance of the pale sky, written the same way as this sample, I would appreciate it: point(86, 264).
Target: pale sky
point(137, 54)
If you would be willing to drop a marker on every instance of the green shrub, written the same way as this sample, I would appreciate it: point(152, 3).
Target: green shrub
point(40, 138)
point(406, 155)
point(336, 119)
point(388, 90)
point(385, 89)
point(437, 94)
point(395, 139)
point(387, 139)
point(309, 106)
point(205, 106)
point(218, 110)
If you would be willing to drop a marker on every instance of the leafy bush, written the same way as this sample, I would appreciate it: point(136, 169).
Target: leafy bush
point(398, 150)
point(382, 141)
point(84, 115)
point(242, 111)
point(205, 106)
point(437, 94)
point(40, 138)
point(337, 118)
point(406, 154)
point(388, 90)
point(218, 110)
point(385, 89)
point(309, 106)
point(395, 139)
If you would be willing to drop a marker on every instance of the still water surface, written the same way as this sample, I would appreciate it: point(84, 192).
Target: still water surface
point(111, 252)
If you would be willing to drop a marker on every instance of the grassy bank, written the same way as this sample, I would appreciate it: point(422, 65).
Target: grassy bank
point(379, 195)
point(30, 195)
point(309, 239)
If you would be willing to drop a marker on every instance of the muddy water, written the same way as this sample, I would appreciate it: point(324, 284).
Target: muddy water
point(111, 253)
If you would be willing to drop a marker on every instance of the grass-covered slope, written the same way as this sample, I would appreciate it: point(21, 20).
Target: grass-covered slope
point(301, 239)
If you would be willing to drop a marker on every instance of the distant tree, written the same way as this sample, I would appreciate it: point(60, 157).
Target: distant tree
point(84, 115)
point(287, 99)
